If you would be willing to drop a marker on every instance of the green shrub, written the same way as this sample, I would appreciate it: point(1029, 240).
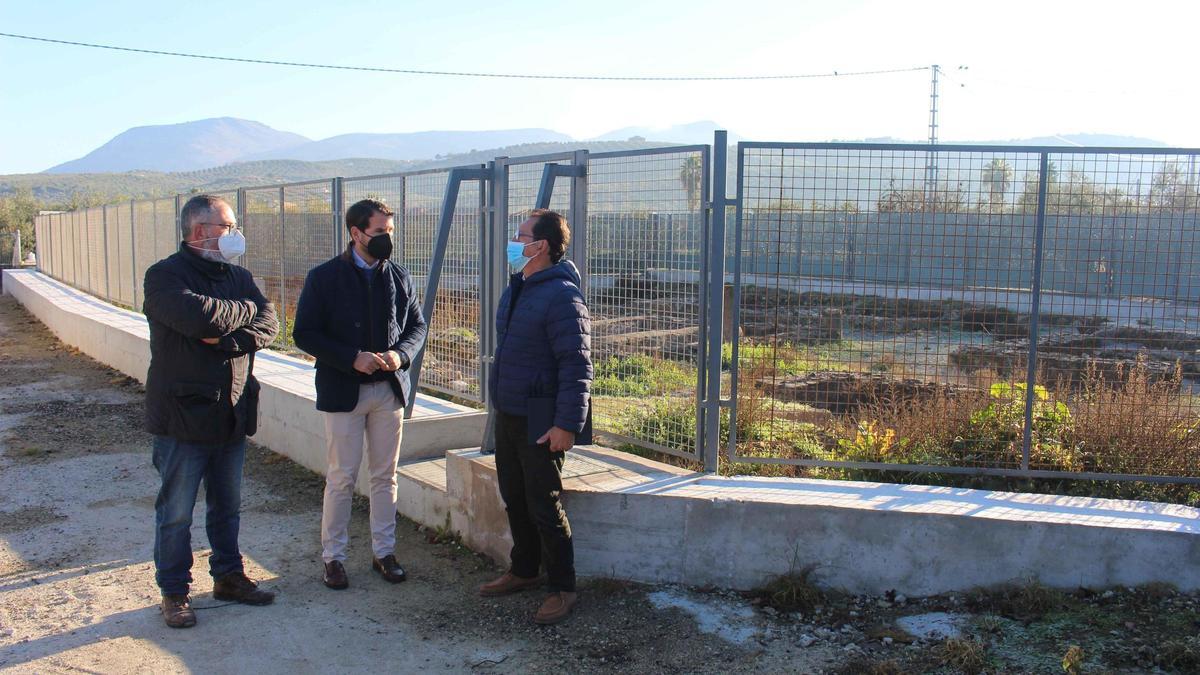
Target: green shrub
point(667, 422)
point(784, 359)
point(640, 375)
point(998, 428)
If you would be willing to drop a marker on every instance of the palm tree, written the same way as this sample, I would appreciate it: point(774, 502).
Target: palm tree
point(997, 178)
point(690, 175)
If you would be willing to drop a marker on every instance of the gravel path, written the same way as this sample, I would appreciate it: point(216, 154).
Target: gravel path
point(76, 577)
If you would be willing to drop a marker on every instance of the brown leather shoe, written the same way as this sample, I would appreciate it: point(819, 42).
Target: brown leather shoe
point(557, 607)
point(177, 611)
point(389, 569)
point(507, 584)
point(237, 587)
point(335, 576)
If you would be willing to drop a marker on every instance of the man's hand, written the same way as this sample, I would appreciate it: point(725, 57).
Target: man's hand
point(367, 363)
point(211, 341)
point(391, 360)
point(560, 439)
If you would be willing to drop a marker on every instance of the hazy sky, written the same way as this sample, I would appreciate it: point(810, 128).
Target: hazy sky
point(1035, 68)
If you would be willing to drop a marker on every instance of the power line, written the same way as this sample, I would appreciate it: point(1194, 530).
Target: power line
point(445, 73)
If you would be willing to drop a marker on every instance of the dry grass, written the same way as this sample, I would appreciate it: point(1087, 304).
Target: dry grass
point(926, 430)
point(1180, 654)
point(792, 592)
point(865, 665)
point(1136, 424)
point(1027, 602)
point(963, 656)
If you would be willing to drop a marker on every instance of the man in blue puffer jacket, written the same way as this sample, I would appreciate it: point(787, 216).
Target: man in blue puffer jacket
point(542, 376)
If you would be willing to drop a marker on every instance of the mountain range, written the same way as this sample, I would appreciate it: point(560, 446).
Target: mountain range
point(204, 144)
point(226, 152)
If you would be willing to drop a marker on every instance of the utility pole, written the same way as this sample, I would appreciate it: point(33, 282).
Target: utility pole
point(931, 158)
point(933, 103)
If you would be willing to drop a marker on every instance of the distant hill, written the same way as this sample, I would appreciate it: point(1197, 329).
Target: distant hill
point(378, 153)
point(683, 134)
point(182, 147)
point(61, 187)
point(1056, 141)
point(409, 146)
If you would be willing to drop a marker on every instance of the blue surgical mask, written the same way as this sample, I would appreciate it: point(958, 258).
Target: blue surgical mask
point(516, 256)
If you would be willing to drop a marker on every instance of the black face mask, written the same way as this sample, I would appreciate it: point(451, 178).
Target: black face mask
point(380, 246)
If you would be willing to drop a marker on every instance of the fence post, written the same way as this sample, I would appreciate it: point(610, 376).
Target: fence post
point(487, 196)
point(851, 243)
point(401, 222)
point(716, 272)
point(337, 198)
point(241, 216)
point(1035, 311)
point(497, 238)
point(283, 322)
point(73, 235)
point(133, 275)
point(107, 262)
point(578, 219)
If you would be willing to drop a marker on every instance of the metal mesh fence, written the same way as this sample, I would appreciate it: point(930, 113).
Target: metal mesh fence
point(855, 304)
point(125, 255)
point(452, 358)
point(1017, 310)
point(644, 250)
point(166, 228)
point(305, 241)
point(112, 248)
point(144, 253)
point(93, 259)
point(1118, 338)
point(262, 225)
point(524, 178)
point(67, 255)
point(890, 301)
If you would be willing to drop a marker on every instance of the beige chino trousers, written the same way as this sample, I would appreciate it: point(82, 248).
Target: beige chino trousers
point(379, 418)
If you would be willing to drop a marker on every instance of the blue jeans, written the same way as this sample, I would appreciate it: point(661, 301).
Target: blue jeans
point(182, 466)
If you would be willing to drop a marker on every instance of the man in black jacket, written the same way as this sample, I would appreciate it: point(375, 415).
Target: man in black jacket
point(207, 319)
point(359, 316)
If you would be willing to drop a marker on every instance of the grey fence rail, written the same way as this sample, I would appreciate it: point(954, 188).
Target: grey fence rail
point(1001, 310)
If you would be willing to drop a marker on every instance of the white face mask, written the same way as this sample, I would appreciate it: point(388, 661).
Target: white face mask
point(230, 246)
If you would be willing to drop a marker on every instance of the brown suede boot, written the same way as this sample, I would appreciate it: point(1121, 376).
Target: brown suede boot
point(557, 607)
point(177, 611)
point(237, 587)
point(507, 584)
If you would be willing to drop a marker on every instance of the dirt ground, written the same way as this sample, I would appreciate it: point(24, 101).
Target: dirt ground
point(76, 575)
point(77, 591)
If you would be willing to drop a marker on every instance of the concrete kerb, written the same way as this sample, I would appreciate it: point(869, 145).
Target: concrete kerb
point(646, 521)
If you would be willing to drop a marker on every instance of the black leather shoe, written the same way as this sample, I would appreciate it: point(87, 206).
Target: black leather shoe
point(389, 569)
point(237, 587)
point(335, 576)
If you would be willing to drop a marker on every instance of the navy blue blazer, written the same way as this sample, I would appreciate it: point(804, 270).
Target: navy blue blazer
point(338, 316)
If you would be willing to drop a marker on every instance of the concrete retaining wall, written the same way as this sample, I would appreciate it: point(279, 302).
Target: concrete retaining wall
point(288, 421)
point(638, 519)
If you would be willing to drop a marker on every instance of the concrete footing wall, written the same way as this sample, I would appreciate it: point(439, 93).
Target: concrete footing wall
point(637, 519)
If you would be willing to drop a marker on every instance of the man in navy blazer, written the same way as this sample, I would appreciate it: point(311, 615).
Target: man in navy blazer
point(359, 316)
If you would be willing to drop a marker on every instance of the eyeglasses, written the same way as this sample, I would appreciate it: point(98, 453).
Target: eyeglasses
point(521, 235)
point(232, 227)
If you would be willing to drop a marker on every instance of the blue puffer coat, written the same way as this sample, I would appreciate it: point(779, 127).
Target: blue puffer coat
point(544, 345)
